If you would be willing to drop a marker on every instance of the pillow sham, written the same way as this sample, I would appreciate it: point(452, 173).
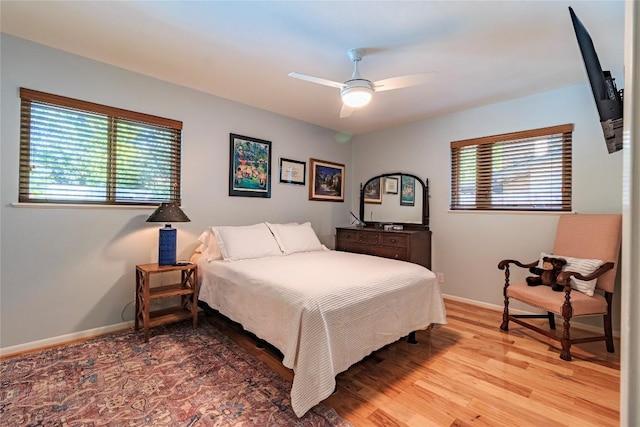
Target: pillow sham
point(294, 238)
point(246, 242)
point(579, 265)
point(209, 247)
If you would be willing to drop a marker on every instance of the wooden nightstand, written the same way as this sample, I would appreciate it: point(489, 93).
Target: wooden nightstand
point(187, 290)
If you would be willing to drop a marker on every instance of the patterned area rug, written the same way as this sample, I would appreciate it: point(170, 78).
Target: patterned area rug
point(182, 377)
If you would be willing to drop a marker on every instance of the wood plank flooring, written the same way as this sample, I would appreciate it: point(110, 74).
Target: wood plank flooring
point(469, 373)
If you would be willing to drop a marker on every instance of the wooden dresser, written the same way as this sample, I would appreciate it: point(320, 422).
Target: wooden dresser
point(406, 245)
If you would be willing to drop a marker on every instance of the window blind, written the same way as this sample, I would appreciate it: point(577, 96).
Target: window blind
point(73, 151)
point(528, 170)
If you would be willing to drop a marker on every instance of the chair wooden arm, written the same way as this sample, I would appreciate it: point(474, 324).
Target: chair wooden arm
point(505, 263)
point(563, 277)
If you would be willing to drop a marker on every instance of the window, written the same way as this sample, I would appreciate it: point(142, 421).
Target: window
point(73, 151)
point(524, 171)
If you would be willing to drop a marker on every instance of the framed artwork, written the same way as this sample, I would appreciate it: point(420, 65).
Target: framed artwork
point(372, 193)
point(249, 166)
point(391, 185)
point(292, 171)
point(407, 191)
point(326, 181)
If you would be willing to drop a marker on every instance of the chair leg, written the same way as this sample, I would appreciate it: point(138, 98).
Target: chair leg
point(505, 315)
point(567, 314)
point(608, 333)
point(552, 320)
point(565, 341)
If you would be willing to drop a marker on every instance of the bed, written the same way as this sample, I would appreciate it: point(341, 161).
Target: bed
point(324, 310)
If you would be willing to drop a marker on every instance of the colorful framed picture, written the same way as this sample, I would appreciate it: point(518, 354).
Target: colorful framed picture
point(407, 191)
point(292, 171)
point(372, 193)
point(249, 166)
point(390, 185)
point(326, 181)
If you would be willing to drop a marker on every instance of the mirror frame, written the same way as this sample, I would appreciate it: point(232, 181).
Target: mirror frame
point(425, 202)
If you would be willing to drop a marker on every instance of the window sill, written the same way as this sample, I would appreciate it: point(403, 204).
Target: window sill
point(499, 212)
point(78, 206)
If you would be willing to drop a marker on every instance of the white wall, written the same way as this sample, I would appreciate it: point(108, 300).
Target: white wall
point(468, 246)
point(66, 270)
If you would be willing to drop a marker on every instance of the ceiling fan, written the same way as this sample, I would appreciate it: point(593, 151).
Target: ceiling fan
point(357, 91)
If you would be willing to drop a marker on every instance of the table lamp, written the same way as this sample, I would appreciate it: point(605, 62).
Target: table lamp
point(167, 213)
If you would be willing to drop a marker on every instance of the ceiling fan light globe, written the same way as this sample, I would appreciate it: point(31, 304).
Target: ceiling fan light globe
point(356, 96)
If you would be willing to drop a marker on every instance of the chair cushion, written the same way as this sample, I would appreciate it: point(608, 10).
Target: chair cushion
point(545, 298)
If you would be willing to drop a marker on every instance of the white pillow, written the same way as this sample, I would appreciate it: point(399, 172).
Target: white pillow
point(246, 242)
point(294, 238)
point(579, 265)
point(209, 247)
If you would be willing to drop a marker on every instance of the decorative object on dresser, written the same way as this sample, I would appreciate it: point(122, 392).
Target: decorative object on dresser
point(186, 289)
point(167, 213)
point(405, 245)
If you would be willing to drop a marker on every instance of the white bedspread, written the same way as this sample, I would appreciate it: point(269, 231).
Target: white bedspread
point(323, 310)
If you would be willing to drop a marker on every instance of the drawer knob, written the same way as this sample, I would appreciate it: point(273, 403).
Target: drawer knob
point(393, 240)
point(396, 256)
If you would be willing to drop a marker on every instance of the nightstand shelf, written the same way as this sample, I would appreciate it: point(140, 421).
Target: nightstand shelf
point(168, 315)
point(186, 289)
point(169, 291)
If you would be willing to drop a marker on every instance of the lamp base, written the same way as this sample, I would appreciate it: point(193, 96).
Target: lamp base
point(167, 246)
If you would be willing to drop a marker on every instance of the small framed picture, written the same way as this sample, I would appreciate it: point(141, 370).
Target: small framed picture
point(292, 171)
point(390, 185)
point(249, 166)
point(326, 181)
point(407, 191)
point(372, 193)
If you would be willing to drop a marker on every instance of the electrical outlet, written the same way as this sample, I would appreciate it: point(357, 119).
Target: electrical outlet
point(440, 277)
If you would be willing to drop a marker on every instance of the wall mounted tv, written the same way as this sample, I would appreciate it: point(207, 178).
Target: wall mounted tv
point(608, 98)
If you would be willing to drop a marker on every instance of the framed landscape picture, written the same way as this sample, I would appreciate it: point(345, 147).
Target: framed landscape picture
point(326, 181)
point(407, 191)
point(372, 193)
point(249, 166)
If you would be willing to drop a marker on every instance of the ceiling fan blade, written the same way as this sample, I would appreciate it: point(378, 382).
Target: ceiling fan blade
point(403, 81)
point(318, 80)
point(345, 111)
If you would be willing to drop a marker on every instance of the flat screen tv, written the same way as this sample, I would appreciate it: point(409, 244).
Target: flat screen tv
point(608, 98)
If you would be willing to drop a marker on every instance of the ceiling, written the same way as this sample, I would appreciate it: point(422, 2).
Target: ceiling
point(482, 51)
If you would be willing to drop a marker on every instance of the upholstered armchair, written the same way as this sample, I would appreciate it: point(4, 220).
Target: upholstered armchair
point(590, 243)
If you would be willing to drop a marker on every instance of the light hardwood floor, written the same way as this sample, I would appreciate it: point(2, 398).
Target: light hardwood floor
point(469, 373)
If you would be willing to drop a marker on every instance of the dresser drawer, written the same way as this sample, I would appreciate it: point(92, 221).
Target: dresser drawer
point(391, 252)
point(369, 238)
point(399, 240)
point(359, 237)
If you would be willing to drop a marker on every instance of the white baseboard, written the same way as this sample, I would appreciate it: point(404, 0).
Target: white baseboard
point(54, 341)
point(575, 323)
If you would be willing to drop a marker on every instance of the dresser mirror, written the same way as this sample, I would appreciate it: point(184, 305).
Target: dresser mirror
point(395, 198)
